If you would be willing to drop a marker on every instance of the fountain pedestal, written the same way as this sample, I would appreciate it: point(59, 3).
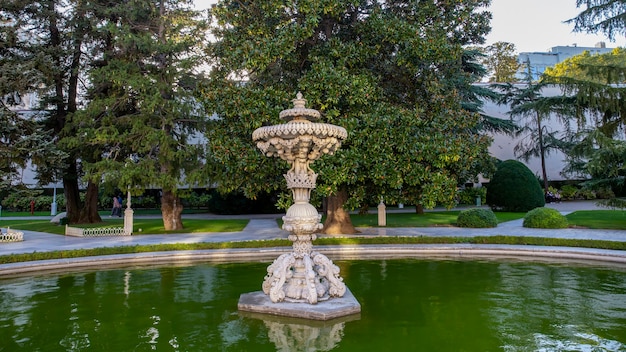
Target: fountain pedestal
point(303, 275)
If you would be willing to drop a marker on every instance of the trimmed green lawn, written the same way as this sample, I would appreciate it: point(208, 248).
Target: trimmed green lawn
point(155, 226)
point(428, 219)
point(593, 219)
point(598, 219)
point(147, 226)
point(103, 213)
point(33, 225)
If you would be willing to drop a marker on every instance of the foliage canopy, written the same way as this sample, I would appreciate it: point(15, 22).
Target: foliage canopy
point(386, 71)
point(501, 62)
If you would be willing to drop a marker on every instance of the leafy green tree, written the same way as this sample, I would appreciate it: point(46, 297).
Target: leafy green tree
point(501, 62)
point(601, 16)
point(387, 72)
point(597, 82)
point(143, 112)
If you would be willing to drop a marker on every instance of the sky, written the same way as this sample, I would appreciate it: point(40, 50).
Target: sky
point(537, 25)
point(532, 25)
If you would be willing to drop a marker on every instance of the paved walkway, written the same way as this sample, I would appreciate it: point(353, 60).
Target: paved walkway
point(263, 227)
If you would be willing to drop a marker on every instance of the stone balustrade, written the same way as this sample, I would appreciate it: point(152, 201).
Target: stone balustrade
point(95, 231)
point(11, 236)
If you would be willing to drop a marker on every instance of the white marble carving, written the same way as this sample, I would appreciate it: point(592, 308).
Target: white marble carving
point(302, 275)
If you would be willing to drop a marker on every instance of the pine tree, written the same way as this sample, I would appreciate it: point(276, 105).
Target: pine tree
point(43, 44)
point(143, 111)
point(601, 16)
point(527, 102)
point(597, 82)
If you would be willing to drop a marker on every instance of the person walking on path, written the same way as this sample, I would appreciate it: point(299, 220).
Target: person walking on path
point(117, 207)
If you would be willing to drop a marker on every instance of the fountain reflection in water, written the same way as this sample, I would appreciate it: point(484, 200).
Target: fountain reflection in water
point(292, 334)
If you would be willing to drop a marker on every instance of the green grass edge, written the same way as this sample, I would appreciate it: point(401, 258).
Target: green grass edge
point(501, 239)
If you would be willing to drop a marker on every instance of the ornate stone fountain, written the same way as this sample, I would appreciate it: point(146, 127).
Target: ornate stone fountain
point(303, 275)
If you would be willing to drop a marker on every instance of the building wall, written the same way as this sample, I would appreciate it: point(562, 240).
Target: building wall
point(503, 145)
point(539, 61)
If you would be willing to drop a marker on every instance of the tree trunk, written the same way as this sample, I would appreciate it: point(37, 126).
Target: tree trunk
point(542, 153)
point(171, 209)
point(419, 209)
point(338, 220)
point(71, 191)
point(89, 213)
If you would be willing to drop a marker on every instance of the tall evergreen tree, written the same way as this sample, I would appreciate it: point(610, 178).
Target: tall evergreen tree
point(474, 95)
point(528, 102)
point(46, 39)
point(143, 111)
point(601, 16)
point(597, 82)
point(384, 70)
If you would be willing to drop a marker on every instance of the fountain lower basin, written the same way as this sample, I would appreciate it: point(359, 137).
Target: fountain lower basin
point(436, 304)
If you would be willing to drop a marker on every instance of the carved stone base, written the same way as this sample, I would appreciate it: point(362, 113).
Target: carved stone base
point(297, 277)
point(259, 302)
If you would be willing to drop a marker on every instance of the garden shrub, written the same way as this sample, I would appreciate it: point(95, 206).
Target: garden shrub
point(514, 188)
point(468, 195)
point(545, 218)
point(605, 193)
point(237, 203)
point(568, 192)
point(477, 218)
point(145, 202)
point(586, 194)
point(195, 200)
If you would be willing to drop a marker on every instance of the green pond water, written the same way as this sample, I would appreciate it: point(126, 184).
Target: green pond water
point(407, 305)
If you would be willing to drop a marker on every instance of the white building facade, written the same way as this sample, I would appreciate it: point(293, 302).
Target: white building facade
point(503, 145)
point(539, 61)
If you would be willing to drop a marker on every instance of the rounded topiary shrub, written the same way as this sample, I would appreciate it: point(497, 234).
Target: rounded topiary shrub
point(514, 188)
point(477, 218)
point(545, 218)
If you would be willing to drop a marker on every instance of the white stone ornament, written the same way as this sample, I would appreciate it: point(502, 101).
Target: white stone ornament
point(302, 275)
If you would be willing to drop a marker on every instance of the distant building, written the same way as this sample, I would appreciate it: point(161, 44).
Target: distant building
point(539, 61)
point(503, 145)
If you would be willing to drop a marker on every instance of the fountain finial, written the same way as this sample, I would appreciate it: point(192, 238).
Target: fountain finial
point(299, 102)
point(299, 112)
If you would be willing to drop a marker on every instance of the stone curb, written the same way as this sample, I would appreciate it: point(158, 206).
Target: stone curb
point(348, 252)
